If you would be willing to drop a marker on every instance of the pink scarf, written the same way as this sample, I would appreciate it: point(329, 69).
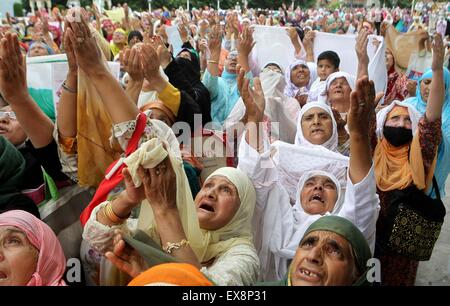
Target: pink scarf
point(51, 262)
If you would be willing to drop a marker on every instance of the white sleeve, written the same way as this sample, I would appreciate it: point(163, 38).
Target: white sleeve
point(258, 167)
point(100, 236)
point(362, 205)
point(239, 266)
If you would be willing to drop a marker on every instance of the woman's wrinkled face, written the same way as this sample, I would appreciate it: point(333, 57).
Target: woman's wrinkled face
point(317, 126)
point(217, 203)
point(339, 90)
point(38, 50)
point(160, 115)
point(323, 258)
point(300, 75)
point(425, 85)
point(403, 121)
point(12, 130)
point(18, 257)
point(319, 195)
point(368, 27)
point(185, 55)
point(389, 60)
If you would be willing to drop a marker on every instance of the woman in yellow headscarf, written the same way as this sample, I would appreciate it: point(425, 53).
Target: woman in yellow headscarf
point(212, 232)
point(405, 156)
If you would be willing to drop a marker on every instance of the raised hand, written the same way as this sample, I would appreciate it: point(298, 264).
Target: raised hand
point(150, 62)
point(438, 53)
point(159, 185)
point(71, 58)
point(125, 258)
point(245, 43)
point(183, 32)
point(13, 76)
point(361, 46)
point(134, 194)
point(88, 54)
point(253, 99)
point(132, 63)
point(215, 42)
point(362, 104)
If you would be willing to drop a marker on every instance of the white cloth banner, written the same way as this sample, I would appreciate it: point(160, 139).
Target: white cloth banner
point(273, 45)
point(45, 75)
point(174, 39)
point(344, 46)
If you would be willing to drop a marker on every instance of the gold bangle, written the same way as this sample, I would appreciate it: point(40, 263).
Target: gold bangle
point(213, 62)
point(111, 215)
point(171, 246)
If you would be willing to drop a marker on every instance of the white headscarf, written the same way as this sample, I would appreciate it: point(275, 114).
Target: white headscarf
point(332, 143)
point(351, 80)
point(239, 229)
point(291, 90)
point(414, 115)
point(301, 183)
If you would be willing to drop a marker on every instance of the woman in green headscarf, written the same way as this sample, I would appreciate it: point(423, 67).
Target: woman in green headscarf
point(333, 252)
point(12, 170)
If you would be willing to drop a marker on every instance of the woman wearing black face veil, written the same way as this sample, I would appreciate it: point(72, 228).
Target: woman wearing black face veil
point(184, 73)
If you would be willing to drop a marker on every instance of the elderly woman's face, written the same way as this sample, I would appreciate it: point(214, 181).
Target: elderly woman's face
point(12, 130)
point(38, 50)
point(323, 258)
point(18, 257)
point(319, 195)
point(300, 75)
point(217, 203)
point(425, 85)
point(317, 126)
point(339, 89)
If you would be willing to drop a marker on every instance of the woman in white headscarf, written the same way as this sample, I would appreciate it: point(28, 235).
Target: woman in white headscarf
point(316, 126)
point(299, 77)
point(278, 226)
point(280, 109)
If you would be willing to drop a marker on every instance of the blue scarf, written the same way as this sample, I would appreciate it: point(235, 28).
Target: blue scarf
point(443, 158)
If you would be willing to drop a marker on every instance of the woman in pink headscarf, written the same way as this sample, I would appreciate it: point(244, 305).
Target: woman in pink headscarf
point(30, 253)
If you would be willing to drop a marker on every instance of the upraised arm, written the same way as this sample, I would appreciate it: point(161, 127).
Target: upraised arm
point(119, 106)
point(361, 51)
point(437, 90)
point(13, 87)
point(67, 106)
point(362, 101)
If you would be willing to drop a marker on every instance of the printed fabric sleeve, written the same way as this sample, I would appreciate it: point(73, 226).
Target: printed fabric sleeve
point(100, 236)
point(239, 266)
point(430, 136)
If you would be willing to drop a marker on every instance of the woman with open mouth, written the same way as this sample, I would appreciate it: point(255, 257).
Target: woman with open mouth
point(281, 225)
point(30, 253)
point(332, 252)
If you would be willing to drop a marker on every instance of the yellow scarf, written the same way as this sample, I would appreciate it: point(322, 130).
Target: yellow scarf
point(394, 169)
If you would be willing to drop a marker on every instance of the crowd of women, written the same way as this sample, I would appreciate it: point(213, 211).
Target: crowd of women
point(321, 165)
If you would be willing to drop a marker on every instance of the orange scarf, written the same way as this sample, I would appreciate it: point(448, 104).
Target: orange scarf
point(394, 169)
point(170, 274)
